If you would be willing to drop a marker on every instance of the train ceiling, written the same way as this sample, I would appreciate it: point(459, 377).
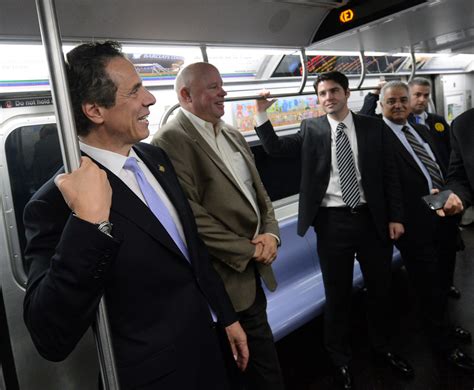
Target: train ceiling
point(387, 26)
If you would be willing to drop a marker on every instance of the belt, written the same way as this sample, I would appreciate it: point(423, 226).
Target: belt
point(352, 210)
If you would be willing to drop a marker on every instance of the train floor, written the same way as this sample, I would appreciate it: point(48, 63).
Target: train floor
point(305, 364)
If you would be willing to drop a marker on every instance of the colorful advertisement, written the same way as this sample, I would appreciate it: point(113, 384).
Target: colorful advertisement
point(284, 112)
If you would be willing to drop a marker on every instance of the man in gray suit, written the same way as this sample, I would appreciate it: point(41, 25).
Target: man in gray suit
point(233, 212)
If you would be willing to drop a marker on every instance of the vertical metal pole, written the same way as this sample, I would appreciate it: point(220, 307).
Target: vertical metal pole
point(51, 37)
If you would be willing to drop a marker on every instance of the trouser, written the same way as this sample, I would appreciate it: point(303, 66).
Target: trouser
point(425, 261)
point(342, 235)
point(263, 371)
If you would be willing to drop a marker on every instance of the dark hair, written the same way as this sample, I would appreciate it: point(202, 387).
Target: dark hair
point(88, 80)
point(337, 77)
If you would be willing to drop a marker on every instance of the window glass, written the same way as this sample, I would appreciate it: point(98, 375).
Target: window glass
point(33, 156)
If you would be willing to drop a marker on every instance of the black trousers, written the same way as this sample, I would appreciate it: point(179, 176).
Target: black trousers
point(427, 262)
point(263, 371)
point(341, 235)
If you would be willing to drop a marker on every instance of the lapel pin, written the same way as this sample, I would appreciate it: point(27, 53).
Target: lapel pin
point(161, 168)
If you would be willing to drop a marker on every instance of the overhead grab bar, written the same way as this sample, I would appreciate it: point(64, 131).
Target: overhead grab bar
point(363, 69)
point(169, 111)
point(413, 65)
point(205, 57)
point(71, 154)
point(304, 66)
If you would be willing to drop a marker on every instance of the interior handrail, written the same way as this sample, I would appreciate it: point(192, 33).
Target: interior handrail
point(66, 125)
point(169, 111)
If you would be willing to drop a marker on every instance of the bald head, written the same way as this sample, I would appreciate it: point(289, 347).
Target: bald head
point(199, 90)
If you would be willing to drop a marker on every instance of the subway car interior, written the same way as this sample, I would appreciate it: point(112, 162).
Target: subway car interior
point(277, 45)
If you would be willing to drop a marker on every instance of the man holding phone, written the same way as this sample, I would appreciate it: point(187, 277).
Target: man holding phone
point(427, 237)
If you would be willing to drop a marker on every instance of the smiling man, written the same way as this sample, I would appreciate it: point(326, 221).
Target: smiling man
point(428, 239)
point(350, 194)
point(233, 212)
point(121, 227)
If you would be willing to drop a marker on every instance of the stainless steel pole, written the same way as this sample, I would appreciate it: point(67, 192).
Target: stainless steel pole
point(51, 37)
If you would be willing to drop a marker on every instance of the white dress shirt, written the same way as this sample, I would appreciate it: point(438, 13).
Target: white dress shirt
point(232, 159)
point(333, 197)
point(114, 162)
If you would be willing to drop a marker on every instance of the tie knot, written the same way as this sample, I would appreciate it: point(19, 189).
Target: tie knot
point(340, 127)
point(405, 129)
point(131, 164)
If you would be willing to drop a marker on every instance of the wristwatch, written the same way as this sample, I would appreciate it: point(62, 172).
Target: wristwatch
point(105, 227)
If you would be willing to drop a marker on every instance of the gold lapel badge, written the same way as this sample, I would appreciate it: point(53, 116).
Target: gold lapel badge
point(161, 168)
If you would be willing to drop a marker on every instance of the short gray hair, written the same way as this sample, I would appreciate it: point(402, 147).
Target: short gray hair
point(419, 81)
point(392, 84)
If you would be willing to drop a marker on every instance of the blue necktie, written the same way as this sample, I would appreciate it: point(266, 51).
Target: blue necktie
point(156, 205)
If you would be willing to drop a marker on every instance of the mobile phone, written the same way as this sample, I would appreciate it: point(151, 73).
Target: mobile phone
point(437, 201)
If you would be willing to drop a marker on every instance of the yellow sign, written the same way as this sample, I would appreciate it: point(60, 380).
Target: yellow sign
point(439, 127)
point(346, 16)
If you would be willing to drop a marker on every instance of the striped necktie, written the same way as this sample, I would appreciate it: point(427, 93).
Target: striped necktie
point(346, 166)
point(156, 205)
point(431, 166)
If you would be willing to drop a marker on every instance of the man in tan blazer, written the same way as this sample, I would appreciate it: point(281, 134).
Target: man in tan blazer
point(234, 214)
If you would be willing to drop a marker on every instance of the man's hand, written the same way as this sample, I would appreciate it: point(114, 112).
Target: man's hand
point(238, 344)
point(395, 230)
point(269, 248)
point(376, 91)
point(452, 206)
point(87, 191)
point(264, 103)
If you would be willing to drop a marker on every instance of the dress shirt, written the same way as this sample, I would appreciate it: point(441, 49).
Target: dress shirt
point(397, 129)
point(333, 196)
point(114, 162)
point(421, 118)
point(217, 139)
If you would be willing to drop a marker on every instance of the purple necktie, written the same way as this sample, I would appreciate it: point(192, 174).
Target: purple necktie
point(156, 205)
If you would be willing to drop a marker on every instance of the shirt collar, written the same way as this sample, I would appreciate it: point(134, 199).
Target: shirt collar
point(348, 121)
point(395, 126)
point(114, 162)
point(203, 126)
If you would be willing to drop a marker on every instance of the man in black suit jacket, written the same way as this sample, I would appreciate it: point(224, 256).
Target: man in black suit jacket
point(461, 166)
point(419, 97)
point(92, 233)
point(428, 238)
point(363, 228)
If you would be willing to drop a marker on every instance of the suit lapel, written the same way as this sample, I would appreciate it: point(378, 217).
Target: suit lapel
point(425, 135)
point(130, 207)
point(402, 150)
point(362, 143)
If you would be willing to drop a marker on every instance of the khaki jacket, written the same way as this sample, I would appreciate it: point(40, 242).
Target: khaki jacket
point(225, 218)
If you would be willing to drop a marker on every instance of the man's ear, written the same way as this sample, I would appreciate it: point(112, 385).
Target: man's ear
point(185, 94)
point(93, 112)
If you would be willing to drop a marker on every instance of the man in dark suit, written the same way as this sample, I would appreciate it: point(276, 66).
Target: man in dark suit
point(349, 192)
point(428, 238)
point(419, 97)
point(121, 227)
point(461, 166)
point(234, 214)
